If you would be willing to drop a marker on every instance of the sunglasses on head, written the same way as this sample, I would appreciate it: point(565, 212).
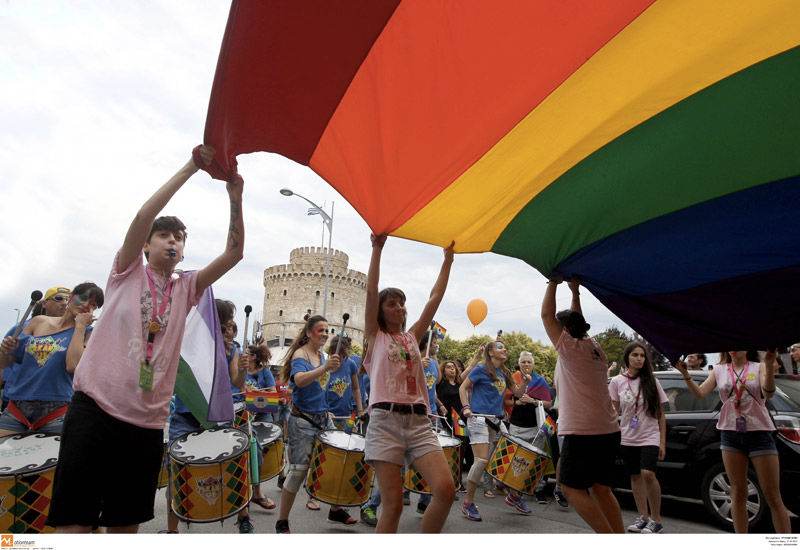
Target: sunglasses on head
point(59, 298)
point(499, 345)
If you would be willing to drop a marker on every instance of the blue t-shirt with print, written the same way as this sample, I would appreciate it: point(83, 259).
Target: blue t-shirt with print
point(311, 397)
point(357, 360)
point(431, 373)
point(42, 374)
point(487, 394)
point(339, 391)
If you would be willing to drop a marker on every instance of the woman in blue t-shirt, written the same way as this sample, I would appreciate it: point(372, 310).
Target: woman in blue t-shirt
point(48, 352)
point(308, 372)
point(488, 383)
point(343, 390)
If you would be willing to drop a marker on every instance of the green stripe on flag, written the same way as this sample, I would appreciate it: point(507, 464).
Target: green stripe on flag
point(187, 388)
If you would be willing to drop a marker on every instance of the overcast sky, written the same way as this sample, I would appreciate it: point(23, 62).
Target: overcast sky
point(103, 101)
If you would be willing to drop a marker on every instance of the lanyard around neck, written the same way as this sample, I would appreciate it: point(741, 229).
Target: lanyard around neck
point(638, 393)
point(157, 319)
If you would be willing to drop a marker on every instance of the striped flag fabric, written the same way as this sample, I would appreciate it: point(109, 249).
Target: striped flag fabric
point(262, 401)
point(458, 429)
point(548, 426)
point(203, 380)
point(351, 422)
point(439, 330)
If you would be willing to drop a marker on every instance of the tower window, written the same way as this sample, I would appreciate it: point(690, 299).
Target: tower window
point(318, 293)
point(280, 313)
point(284, 292)
point(332, 295)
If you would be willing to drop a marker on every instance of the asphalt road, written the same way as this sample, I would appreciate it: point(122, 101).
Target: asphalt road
point(678, 517)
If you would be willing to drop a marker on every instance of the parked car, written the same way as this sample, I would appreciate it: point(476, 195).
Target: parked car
point(692, 467)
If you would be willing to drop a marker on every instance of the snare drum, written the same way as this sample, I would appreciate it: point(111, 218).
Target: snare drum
point(27, 465)
point(337, 472)
point(270, 437)
point(517, 464)
point(210, 474)
point(451, 446)
point(240, 414)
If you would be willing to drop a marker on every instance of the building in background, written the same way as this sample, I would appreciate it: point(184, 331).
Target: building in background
point(295, 289)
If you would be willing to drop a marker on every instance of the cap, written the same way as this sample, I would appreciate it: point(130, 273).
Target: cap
point(55, 290)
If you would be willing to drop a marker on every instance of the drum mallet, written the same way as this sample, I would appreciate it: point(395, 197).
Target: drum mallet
point(36, 295)
point(430, 339)
point(345, 317)
point(247, 309)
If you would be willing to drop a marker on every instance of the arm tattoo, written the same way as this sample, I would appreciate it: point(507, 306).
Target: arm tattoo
point(233, 232)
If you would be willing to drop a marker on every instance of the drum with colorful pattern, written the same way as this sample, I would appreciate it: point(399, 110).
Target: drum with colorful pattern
point(270, 437)
point(240, 415)
point(210, 474)
point(27, 465)
point(337, 472)
point(517, 464)
point(451, 446)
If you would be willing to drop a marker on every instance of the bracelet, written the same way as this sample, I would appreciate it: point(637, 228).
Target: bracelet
point(465, 407)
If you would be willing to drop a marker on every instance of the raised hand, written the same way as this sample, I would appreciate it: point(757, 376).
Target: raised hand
point(377, 240)
point(202, 155)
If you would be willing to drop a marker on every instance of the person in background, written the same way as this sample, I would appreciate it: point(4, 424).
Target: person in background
point(696, 361)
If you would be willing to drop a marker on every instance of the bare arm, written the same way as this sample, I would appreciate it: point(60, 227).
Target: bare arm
point(465, 386)
point(575, 287)
point(551, 324)
point(234, 249)
point(703, 389)
point(373, 275)
point(357, 394)
point(139, 229)
point(767, 373)
point(437, 293)
point(662, 427)
point(238, 370)
point(473, 362)
point(303, 379)
point(78, 342)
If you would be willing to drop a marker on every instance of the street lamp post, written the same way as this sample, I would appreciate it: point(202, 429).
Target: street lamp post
point(328, 221)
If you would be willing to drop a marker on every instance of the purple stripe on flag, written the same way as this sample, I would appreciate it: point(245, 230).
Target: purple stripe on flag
point(220, 406)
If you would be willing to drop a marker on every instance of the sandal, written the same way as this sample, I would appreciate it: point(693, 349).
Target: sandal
point(312, 505)
point(489, 494)
point(265, 503)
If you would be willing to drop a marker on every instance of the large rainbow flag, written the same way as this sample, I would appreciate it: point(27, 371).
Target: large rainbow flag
point(647, 146)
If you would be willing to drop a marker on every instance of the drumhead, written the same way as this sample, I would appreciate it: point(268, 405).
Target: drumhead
point(447, 441)
point(525, 445)
point(341, 440)
point(22, 454)
point(209, 446)
point(267, 432)
point(238, 406)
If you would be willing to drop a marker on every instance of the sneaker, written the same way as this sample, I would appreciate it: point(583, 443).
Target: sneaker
point(652, 527)
point(406, 499)
point(637, 525)
point(245, 525)
point(421, 507)
point(518, 503)
point(471, 511)
point(368, 516)
point(341, 516)
point(541, 498)
point(282, 527)
point(560, 499)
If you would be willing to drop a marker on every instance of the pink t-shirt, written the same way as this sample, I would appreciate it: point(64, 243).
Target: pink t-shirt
point(584, 404)
point(108, 371)
point(752, 405)
point(626, 390)
point(388, 370)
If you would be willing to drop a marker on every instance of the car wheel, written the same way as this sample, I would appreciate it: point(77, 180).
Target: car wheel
point(716, 494)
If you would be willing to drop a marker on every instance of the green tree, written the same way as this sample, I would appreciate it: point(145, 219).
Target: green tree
point(613, 342)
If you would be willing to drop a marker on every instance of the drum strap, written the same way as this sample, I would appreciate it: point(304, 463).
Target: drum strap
point(297, 412)
point(492, 425)
point(46, 419)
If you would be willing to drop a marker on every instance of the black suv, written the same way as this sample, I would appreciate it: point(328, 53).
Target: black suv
point(692, 467)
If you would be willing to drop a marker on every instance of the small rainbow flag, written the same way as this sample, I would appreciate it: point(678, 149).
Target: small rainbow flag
point(439, 329)
point(458, 429)
point(548, 426)
point(262, 401)
point(351, 422)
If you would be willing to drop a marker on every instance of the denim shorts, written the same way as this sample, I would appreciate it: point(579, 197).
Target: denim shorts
point(399, 438)
point(33, 411)
point(301, 438)
point(480, 432)
point(754, 443)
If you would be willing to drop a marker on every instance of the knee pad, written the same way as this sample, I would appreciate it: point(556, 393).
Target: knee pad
point(476, 472)
point(295, 479)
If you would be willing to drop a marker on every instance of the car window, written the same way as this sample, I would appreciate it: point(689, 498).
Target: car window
point(680, 399)
point(787, 396)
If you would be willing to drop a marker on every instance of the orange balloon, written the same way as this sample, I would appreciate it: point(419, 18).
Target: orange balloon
point(476, 311)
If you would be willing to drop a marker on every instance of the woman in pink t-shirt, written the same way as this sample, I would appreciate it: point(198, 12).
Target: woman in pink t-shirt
point(399, 430)
point(746, 430)
point(637, 395)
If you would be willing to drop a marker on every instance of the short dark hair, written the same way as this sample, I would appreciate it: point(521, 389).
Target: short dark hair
point(90, 289)
point(574, 322)
point(166, 223)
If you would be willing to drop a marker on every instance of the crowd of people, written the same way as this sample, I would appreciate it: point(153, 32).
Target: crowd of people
point(108, 388)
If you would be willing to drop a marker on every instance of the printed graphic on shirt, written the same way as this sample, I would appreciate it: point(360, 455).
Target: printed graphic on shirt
point(397, 382)
point(628, 397)
point(42, 349)
point(339, 386)
point(500, 384)
point(430, 379)
point(250, 385)
point(323, 380)
point(147, 311)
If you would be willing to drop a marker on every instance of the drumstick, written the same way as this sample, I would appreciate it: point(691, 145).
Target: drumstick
point(345, 317)
point(36, 295)
point(247, 309)
point(430, 338)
